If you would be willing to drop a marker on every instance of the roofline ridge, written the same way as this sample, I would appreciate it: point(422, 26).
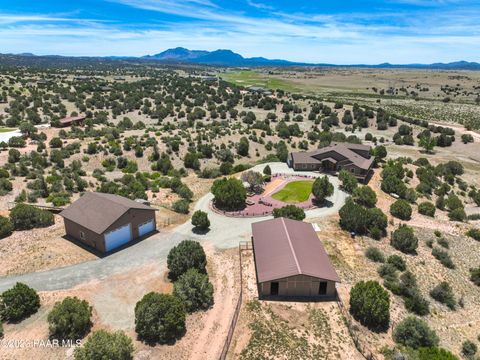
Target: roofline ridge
point(291, 246)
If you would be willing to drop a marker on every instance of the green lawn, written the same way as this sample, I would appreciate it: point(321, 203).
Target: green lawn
point(294, 192)
point(3, 130)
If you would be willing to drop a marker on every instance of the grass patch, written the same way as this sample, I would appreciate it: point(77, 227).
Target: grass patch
point(4, 130)
point(294, 192)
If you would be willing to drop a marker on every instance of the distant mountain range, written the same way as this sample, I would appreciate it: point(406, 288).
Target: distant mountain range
point(226, 58)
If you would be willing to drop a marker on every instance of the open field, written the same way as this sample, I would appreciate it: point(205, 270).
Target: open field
point(294, 192)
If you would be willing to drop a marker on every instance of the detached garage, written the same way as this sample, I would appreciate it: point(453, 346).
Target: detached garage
point(107, 222)
point(290, 261)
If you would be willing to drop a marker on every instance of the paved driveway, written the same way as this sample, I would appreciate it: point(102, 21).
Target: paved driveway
point(225, 232)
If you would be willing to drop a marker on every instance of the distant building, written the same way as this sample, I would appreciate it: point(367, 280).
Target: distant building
point(106, 222)
point(119, 78)
point(290, 261)
point(72, 120)
point(355, 158)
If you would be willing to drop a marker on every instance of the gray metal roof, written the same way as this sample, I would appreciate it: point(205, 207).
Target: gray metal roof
point(285, 248)
point(98, 211)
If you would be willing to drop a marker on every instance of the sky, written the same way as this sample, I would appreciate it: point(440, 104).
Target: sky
point(315, 31)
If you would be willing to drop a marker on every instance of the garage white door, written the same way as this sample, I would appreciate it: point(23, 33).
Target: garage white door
point(146, 228)
point(118, 237)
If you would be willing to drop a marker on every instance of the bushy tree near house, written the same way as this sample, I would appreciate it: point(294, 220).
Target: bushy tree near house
point(200, 220)
point(70, 319)
point(363, 221)
point(160, 318)
point(349, 181)
point(18, 303)
point(106, 345)
point(365, 196)
point(370, 305)
point(321, 189)
point(186, 255)
point(229, 194)
point(290, 212)
point(195, 290)
point(26, 217)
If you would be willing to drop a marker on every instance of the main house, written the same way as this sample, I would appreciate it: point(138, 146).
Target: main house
point(355, 158)
point(290, 261)
point(107, 222)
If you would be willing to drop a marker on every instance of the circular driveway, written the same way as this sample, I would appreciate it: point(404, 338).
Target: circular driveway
point(225, 232)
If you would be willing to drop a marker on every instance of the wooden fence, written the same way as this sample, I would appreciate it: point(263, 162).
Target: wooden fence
point(243, 246)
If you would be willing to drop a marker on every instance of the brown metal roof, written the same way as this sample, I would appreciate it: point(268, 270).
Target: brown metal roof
point(344, 149)
point(285, 248)
point(97, 211)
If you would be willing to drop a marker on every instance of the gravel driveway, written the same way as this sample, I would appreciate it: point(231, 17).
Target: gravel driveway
point(225, 232)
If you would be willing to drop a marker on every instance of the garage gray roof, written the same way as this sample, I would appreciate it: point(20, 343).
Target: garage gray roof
point(98, 211)
point(285, 248)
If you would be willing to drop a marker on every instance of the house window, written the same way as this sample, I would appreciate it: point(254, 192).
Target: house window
point(322, 288)
point(82, 235)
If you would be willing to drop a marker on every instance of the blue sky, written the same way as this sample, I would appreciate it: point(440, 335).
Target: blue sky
point(320, 31)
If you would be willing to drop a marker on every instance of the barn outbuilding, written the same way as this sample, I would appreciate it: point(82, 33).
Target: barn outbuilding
point(290, 261)
point(106, 222)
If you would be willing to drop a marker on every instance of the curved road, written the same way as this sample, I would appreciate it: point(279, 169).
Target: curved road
point(225, 232)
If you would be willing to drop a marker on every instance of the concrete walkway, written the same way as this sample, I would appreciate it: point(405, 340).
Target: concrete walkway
point(225, 232)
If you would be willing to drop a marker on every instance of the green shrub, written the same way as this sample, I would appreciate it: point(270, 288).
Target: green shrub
point(18, 303)
point(417, 304)
point(401, 209)
point(434, 353)
point(195, 290)
point(186, 255)
point(321, 189)
point(365, 196)
point(349, 181)
point(414, 333)
point(26, 217)
point(387, 271)
point(474, 233)
point(362, 221)
point(1, 329)
point(181, 206)
point(370, 305)
point(443, 293)
point(475, 276)
point(290, 212)
point(443, 243)
point(404, 240)
point(375, 254)
point(469, 349)
point(159, 318)
point(443, 257)
point(70, 319)
point(398, 262)
point(457, 215)
point(6, 227)
point(200, 220)
point(106, 345)
point(427, 208)
point(229, 194)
